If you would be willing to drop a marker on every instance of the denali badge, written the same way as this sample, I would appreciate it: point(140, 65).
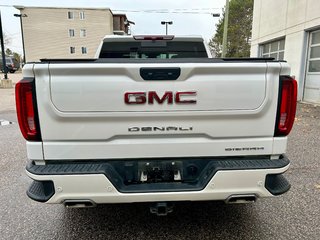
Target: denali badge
point(160, 129)
point(151, 97)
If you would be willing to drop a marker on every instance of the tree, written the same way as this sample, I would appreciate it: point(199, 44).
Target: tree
point(9, 52)
point(239, 30)
point(17, 56)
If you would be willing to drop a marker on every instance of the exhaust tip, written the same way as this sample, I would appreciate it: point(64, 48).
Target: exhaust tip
point(244, 198)
point(79, 204)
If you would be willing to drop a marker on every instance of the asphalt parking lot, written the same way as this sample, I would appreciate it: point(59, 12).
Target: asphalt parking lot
point(295, 215)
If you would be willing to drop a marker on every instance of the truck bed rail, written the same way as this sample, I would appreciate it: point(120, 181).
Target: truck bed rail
point(154, 60)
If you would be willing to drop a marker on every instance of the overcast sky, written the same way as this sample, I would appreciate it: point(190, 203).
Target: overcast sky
point(198, 23)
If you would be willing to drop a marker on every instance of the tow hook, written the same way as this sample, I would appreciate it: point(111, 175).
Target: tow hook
point(161, 208)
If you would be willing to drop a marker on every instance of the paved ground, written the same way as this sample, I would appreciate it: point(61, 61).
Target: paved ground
point(7, 100)
point(295, 215)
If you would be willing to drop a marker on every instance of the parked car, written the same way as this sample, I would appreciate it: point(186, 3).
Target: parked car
point(12, 65)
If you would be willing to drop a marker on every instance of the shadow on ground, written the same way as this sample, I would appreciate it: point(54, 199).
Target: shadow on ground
point(198, 220)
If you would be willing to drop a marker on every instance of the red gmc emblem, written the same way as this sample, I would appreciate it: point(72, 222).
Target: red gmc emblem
point(152, 97)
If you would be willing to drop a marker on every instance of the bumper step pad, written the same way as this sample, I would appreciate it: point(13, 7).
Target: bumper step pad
point(119, 171)
point(41, 191)
point(277, 184)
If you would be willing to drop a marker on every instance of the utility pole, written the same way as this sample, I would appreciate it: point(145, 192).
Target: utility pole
point(24, 52)
point(225, 30)
point(4, 64)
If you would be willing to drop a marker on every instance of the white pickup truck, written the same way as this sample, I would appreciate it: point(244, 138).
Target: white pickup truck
point(155, 119)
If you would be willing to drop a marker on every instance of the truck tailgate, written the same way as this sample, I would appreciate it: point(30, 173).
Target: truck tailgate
point(83, 113)
point(101, 87)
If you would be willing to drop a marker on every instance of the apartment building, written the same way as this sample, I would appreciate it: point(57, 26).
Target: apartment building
point(64, 32)
point(121, 24)
point(290, 30)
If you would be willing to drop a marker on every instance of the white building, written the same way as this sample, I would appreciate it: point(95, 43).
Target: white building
point(290, 30)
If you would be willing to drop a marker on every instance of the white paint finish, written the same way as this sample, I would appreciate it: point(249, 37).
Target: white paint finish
point(279, 145)
point(105, 134)
point(101, 87)
point(34, 150)
point(285, 69)
point(156, 147)
point(100, 190)
point(27, 70)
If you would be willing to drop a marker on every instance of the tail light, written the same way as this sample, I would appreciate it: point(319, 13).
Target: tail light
point(27, 111)
point(286, 106)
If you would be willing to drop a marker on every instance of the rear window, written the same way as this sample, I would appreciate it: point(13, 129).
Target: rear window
point(153, 49)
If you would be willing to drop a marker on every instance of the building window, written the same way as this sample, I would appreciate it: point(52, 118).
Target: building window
point(81, 14)
point(84, 50)
point(314, 55)
point(83, 33)
point(273, 49)
point(71, 32)
point(70, 15)
point(72, 50)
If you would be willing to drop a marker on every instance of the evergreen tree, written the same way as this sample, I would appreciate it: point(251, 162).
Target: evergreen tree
point(239, 30)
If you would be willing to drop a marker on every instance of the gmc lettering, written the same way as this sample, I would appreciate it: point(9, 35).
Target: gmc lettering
point(151, 97)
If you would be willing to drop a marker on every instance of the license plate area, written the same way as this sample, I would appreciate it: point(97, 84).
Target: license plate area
point(159, 171)
point(153, 172)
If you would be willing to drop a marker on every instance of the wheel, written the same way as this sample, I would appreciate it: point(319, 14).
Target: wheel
point(12, 71)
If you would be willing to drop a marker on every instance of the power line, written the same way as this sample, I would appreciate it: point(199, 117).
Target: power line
point(175, 11)
point(164, 9)
point(162, 12)
point(178, 10)
point(167, 9)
